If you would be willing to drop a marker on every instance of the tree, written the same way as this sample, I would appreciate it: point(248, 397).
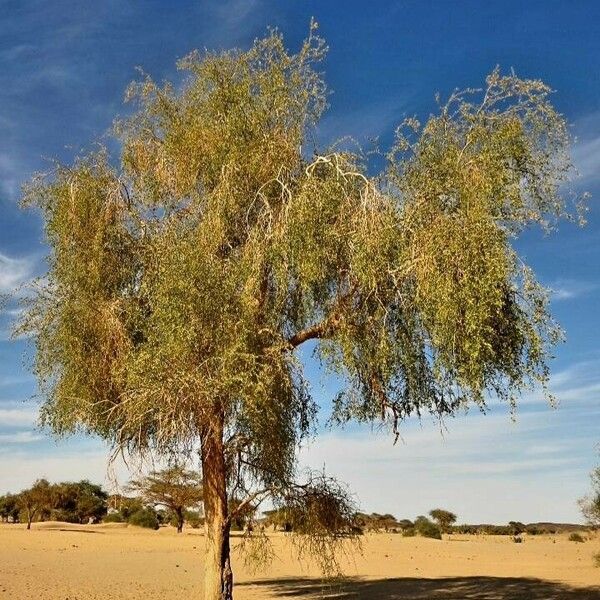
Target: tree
point(516, 527)
point(35, 500)
point(425, 528)
point(445, 519)
point(79, 502)
point(182, 283)
point(590, 505)
point(9, 508)
point(174, 488)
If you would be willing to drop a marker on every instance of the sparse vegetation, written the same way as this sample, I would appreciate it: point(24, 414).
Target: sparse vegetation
point(576, 537)
point(146, 517)
point(590, 505)
point(444, 519)
point(175, 488)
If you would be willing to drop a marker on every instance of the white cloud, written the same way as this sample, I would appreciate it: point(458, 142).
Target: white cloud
point(18, 417)
point(14, 272)
point(20, 437)
point(568, 289)
point(586, 158)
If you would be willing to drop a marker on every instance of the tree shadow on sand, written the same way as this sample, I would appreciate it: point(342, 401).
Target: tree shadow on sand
point(405, 588)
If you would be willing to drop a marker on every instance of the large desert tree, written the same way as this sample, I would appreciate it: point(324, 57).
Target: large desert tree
point(182, 281)
point(175, 487)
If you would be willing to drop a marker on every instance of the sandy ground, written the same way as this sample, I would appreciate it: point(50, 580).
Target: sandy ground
point(62, 562)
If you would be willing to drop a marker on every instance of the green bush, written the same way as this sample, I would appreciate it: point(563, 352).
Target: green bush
point(114, 517)
point(425, 528)
point(193, 519)
point(576, 537)
point(144, 518)
point(409, 532)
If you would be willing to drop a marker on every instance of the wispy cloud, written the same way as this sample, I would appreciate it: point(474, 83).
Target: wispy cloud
point(20, 437)
point(569, 289)
point(18, 417)
point(14, 272)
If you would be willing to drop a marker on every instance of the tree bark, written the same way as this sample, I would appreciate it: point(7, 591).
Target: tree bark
point(179, 514)
point(218, 576)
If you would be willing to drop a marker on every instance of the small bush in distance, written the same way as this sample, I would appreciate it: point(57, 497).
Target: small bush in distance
point(409, 532)
point(114, 517)
point(517, 539)
point(144, 518)
point(576, 537)
point(425, 528)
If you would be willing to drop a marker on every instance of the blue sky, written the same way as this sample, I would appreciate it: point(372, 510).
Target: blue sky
point(63, 69)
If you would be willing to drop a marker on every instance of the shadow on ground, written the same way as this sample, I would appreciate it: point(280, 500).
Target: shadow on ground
point(454, 588)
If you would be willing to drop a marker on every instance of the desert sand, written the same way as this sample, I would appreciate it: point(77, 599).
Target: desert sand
point(64, 562)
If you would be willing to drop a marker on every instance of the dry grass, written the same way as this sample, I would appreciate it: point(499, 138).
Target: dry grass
point(59, 561)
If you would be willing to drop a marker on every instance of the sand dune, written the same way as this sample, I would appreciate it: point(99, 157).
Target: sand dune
point(59, 561)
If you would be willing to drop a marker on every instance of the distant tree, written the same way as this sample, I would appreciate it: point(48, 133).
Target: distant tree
point(405, 524)
point(516, 527)
point(146, 517)
point(590, 505)
point(183, 282)
point(444, 518)
point(9, 508)
point(36, 500)
point(79, 501)
point(426, 528)
point(124, 505)
point(175, 488)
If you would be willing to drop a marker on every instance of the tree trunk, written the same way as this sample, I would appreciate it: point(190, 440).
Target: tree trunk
point(218, 577)
point(179, 514)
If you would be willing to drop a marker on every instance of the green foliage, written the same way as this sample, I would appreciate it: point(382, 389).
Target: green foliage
point(590, 505)
point(78, 502)
point(409, 532)
point(113, 517)
point(182, 281)
point(425, 528)
point(175, 488)
point(377, 522)
point(36, 501)
point(516, 527)
point(576, 537)
point(194, 519)
point(9, 508)
point(146, 517)
point(445, 519)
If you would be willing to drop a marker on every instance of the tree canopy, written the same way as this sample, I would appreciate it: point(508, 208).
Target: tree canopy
point(444, 518)
point(182, 280)
point(175, 488)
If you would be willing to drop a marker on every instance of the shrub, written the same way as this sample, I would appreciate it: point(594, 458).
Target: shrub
point(517, 539)
point(193, 519)
point(113, 517)
point(426, 528)
point(409, 532)
point(144, 518)
point(576, 537)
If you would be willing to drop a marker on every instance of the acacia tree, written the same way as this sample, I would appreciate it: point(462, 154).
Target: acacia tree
point(444, 518)
point(182, 283)
point(35, 500)
point(174, 487)
point(590, 505)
